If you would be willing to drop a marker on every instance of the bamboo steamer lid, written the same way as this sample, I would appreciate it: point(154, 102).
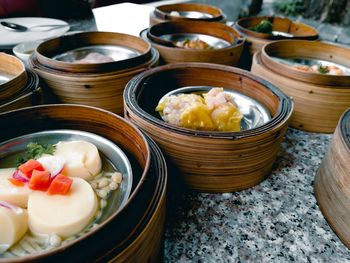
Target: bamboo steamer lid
point(332, 186)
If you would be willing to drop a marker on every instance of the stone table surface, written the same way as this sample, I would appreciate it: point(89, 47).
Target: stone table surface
point(276, 221)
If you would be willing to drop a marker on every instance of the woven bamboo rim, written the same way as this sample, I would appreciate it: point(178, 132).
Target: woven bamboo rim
point(332, 182)
point(103, 90)
point(29, 95)
point(226, 56)
point(256, 40)
point(46, 50)
point(307, 49)
point(211, 161)
point(317, 107)
point(12, 66)
point(94, 120)
point(162, 13)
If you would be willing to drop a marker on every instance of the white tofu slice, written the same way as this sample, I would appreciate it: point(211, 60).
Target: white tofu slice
point(64, 215)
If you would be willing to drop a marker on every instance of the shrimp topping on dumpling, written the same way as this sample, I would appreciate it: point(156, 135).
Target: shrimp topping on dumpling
point(216, 111)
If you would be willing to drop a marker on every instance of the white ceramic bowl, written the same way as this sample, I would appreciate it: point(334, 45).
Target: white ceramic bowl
point(24, 50)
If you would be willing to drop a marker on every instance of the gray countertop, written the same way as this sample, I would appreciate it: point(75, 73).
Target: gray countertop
point(276, 221)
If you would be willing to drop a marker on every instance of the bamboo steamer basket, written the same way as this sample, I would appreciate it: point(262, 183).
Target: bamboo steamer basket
point(255, 40)
point(100, 89)
point(163, 13)
point(319, 99)
point(332, 181)
point(14, 69)
point(141, 218)
point(29, 95)
point(50, 48)
point(227, 56)
point(211, 161)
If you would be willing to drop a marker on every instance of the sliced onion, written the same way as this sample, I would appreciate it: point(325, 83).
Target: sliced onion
point(18, 175)
point(52, 164)
point(14, 208)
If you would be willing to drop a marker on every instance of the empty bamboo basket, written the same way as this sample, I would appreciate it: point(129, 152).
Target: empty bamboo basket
point(211, 161)
point(133, 233)
point(320, 99)
point(332, 182)
point(169, 53)
point(256, 40)
point(186, 11)
point(97, 84)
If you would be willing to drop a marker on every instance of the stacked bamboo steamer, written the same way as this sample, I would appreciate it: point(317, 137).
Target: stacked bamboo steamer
point(186, 11)
point(284, 28)
point(18, 87)
point(211, 161)
point(97, 84)
point(129, 234)
point(229, 54)
point(332, 182)
point(320, 99)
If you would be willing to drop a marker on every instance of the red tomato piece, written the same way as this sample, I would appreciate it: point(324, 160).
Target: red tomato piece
point(15, 182)
point(60, 185)
point(28, 167)
point(40, 180)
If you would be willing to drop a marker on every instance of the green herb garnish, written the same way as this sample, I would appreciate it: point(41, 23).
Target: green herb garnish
point(323, 69)
point(35, 151)
point(264, 26)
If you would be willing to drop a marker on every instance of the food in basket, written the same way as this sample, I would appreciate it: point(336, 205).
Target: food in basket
point(212, 111)
point(94, 57)
point(193, 44)
point(265, 26)
point(54, 195)
point(322, 69)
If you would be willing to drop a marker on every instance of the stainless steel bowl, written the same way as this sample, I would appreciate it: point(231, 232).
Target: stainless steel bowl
point(191, 14)
point(310, 62)
point(214, 42)
point(254, 113)
point(11, 149)
point(117, 53)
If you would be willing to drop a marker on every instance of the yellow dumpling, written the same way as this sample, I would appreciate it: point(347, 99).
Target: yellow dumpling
point(227, 117)
point(197, 117)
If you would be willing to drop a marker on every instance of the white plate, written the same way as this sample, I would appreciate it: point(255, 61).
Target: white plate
point(8, 38)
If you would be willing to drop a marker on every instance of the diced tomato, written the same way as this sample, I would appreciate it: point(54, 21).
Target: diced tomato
point(15, 182)
point(40, 180)
point(28, 167)
point(60, 185)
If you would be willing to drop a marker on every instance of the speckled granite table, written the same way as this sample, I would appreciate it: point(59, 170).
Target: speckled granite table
point(276, 221)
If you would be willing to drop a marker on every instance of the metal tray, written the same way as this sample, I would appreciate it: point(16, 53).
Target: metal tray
point(310, 62)
point(214, 42)
point(254, 114)
point(114, 156)
point(191, 14)
point(117, 53)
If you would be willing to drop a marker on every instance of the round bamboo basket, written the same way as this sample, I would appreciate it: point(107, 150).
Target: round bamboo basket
point(48, 49)
point(255, 40)
point(126, 234)
point(332, 183)
point(29, 95)
point(170, 54)
point(211, 161)
point(103, 90)
point(319, 99)
point(12, 68)
point(163, 13)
